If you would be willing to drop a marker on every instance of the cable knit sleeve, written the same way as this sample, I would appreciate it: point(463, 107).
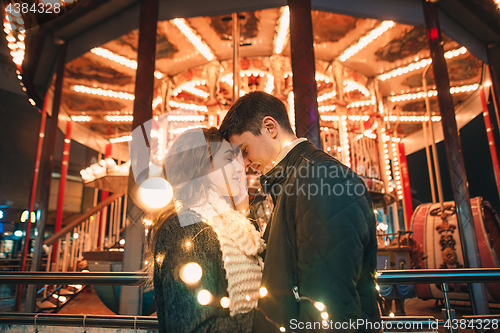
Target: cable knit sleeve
point(178, 309)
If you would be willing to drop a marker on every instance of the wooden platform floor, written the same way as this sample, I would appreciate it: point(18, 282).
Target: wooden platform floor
point(86, 302)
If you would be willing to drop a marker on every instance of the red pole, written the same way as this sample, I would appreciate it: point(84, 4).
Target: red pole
point(104, 196)
point(32, 203)
point(453, 149)
point(304, 71)
point(403, 166)
point(491, 140)
point(62, 184)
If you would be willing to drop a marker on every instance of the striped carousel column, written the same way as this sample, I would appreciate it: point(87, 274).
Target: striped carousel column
point(130, 296)
point(454, 156)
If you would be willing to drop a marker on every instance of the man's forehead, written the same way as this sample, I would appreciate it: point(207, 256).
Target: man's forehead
point(237, 139)
point(241, 139)
point(228, 146)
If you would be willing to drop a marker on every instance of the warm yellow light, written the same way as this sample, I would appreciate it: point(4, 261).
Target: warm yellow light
point(320, 306)
point(204, 297)
point(191, 273)
point(224, 302)
point(125, 138)
point(80, 118)
point(431, 93)
point(324, 315)
point(193, 38)
point(364, 41)
point(119, 118)
point(269, 84)
point(186, 118)
point(155, 193)
point(262, 292)
point(284, 23)
point(327, 96)
point(350, 85)
point(194, 107)
point(103, 92)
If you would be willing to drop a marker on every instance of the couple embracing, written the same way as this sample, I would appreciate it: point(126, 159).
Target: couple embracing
point(313, 269)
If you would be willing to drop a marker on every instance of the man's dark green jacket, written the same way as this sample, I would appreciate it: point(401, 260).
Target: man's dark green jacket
point(321, 240)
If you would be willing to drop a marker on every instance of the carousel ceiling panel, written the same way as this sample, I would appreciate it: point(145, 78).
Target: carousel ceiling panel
point(90, 72)
point(329, 50)
point(331, 27)
point(196, 81)
point(84, 103)
point(367, 61)
point(186, 56)
point(223, 25)
point(262, 43)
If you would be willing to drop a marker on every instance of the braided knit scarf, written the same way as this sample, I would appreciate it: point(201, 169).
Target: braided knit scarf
point(240, 244)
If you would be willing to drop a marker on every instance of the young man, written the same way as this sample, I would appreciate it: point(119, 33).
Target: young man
point(321, 240)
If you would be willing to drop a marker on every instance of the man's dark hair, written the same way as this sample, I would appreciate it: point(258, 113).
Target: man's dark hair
point(248, 111)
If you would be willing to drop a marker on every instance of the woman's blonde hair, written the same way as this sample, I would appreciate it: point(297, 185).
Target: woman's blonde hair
point(184, 167)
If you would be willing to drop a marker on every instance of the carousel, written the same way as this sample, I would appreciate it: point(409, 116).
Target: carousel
point(377, 102)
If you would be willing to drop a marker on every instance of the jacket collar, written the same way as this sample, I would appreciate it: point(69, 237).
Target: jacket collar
point(278, 173)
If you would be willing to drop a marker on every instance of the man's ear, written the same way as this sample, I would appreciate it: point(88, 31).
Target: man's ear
point(270, 126)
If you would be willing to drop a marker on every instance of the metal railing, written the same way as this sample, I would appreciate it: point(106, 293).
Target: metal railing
point(424, 276)
point(124, 322)
point(97, 229)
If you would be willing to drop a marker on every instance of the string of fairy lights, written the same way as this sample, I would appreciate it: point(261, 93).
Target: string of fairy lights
point(15, 31)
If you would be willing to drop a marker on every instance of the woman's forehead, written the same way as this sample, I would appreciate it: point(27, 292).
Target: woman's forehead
point(227, 146)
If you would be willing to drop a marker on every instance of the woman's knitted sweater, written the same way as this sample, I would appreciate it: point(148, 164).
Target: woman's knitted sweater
point(207, 240)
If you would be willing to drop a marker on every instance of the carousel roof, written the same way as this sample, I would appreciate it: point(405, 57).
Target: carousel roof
point(380, 47)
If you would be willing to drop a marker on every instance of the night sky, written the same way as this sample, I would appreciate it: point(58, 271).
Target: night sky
point(478, 167)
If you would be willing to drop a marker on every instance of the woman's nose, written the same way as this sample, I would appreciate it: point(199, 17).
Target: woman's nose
point(238, 165)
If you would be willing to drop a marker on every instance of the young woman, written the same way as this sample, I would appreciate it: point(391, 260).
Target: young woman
point(207, 271)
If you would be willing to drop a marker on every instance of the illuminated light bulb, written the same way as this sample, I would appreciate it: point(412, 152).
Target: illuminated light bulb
point(364, 41)
point(204, 297)
point(282, 329)
point(247, 297)
point(284, 23)
point(182, 25)
point(262, 292)
point(122, 241)
point(391, 314)
point(155, 193)
point(377, 286)
point(75, 235)
point(224, 302)
point(191, 273)
point(324, 315)
point(320, 306)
